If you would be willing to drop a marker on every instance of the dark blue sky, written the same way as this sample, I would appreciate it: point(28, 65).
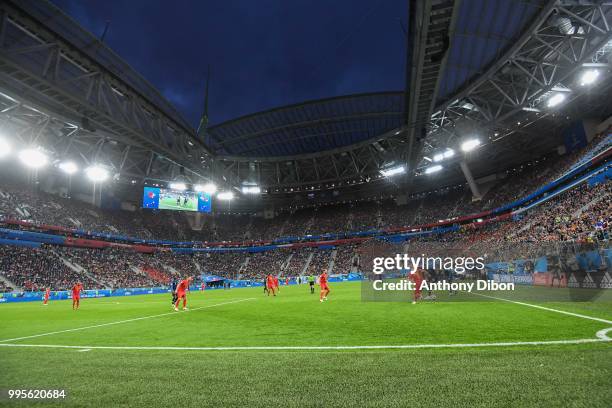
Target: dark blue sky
point(262, 53)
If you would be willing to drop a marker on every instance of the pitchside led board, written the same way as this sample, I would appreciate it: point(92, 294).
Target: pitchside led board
point(166, 199)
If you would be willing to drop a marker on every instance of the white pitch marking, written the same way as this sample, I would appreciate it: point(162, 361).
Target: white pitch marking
point(121, 321)
point(603, 334)
point(548, 308)
point(600, 339)
point(82, 350)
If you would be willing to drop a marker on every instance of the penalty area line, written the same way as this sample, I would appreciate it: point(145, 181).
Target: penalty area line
point(601, 337)
point(122, 321)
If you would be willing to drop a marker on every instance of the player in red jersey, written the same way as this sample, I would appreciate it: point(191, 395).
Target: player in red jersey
point(417, 277)
point(287, 281)
point(270, 284)
point(76, 295)
point(181, 292)
point(276, 285)
point(324, 286)
point(46, 297)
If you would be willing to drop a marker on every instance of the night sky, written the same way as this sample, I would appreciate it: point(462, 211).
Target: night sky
point(263, 53)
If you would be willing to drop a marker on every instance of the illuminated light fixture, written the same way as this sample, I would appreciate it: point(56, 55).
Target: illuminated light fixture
point(251, 190)
point(427, 158)
point(96, 173)
point(5, 148)
point(68, 167)
point(470, 145)
point(33, 158)
point(226, 195)
point(433, 169)
point(588, 77)
point(555, 100)
point(393, 171)
point(444, 155)
point(208, 188)
point(177, 185)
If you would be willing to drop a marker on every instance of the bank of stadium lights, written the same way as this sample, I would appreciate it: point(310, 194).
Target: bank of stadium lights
point(33, 158)
point(96, 174)
point(589, 77)
point(208, 188)
point(251, 190)
point(470, 145)
point(444, 155)
point(555, 100)
point(225, 195)
point(177, 185)
point(68, 167)
point(393, 171)
point(5, 148)
point(433, 169)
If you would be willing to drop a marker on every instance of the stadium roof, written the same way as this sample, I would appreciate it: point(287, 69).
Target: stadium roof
point(474, 68)
point(309, 127)
point(485, 30)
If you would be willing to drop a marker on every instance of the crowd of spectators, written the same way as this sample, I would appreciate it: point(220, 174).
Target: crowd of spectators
point(38, 268)
point(346, 259)
point(112, 268)
point(320, 260)
point(580, 214)
point(297, 262)
point(563, 220)
point(225, 264)
point(263, 263)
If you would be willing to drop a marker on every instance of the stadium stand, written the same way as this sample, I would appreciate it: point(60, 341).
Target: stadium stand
point(36, 269)
point(581, 213)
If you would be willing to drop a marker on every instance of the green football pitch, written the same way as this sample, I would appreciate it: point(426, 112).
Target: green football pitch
point(168, 203)
point(240, 348)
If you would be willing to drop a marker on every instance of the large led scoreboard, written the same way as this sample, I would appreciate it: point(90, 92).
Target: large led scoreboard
point(157, 198)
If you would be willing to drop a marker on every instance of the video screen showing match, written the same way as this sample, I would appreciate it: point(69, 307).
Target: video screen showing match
point(167, 199)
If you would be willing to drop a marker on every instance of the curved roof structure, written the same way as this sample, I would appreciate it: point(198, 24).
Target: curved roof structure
point(309, 127)
point(475, 68)
point(485, 30)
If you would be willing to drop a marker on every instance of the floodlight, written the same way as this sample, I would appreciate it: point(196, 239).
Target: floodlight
point(588, 77)
point(68, 167)
point(33, 158)
point(226, 195)
point(96, 173)
point(393, 171)
point(444, 155)
point(209, 188)
point(433, 169)
point(251, 190)
point(470, 145)
point(555, 100)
